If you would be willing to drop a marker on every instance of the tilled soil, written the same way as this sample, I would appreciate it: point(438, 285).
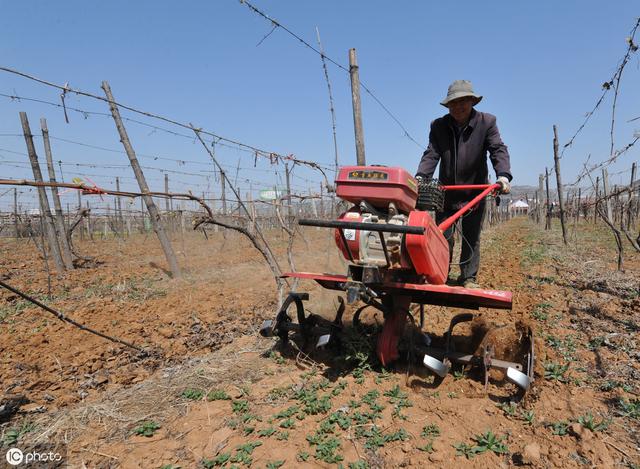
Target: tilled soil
point(222, 396)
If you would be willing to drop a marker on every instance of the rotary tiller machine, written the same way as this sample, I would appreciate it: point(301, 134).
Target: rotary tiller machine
point(398, 256)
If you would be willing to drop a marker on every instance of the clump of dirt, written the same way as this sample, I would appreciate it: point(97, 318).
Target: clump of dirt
point(510, 342)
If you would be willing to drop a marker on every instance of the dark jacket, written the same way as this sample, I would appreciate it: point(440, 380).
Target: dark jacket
point(464, 161)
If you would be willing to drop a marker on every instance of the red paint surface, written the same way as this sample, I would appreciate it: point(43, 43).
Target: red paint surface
point(429, 252)
point(399, 187)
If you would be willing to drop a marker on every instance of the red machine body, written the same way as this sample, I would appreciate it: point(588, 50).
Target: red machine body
point(378, 185)
point(396, 252)
point(429, 252)
point(385, 195)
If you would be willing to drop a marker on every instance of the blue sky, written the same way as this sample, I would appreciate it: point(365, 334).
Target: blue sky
point(536, 63)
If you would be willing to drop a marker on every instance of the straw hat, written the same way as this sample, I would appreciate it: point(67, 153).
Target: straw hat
point(460, 89)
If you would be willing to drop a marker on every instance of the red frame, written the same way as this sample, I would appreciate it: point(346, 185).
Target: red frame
point(443, 295)
point(487, 189)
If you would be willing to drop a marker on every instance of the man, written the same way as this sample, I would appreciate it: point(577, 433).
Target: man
point(459, 141)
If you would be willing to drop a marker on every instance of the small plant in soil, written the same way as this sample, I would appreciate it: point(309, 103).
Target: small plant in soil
point(13, 309)
point(430, 431)
point(596, 343)
point(370, 397)
point(532, 255)
point(312, 403)
point(339, 388)
point(373, 437)
point(241, 406)
point(555, 371)
point(327, 449)
point(427, 448)
point(12, 435)
point(243, 453)
point(280, 393)
point(589, 422)
point(267, 431)
point(384, 375)
point(288, 423)
point(398, 435)
point(610, 385)
point(276, 357)
point(288, 412)
point(509, 408)
point(395, 394)
point(528, 416)
point(377, 408)
point(282, 436)
point(341, 419)
point(358, 373)
point(308, 375)
point(560, 428)
point(222, 459)
point(360, 464)
point(458, 375)
point(249, 417)
point(147, 429)
point(361, 418)
point(219, 460)
point(397, 411)
point(246, 431)
point(540, 311)
point(465, 449)
point(553, 341)
point(275, 464)
point(302, 456)
point(218, 395)
point(192, 394)
point(630, 408)
point(488, 441)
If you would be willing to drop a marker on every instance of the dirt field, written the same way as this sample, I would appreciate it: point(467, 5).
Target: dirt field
point(215, 394)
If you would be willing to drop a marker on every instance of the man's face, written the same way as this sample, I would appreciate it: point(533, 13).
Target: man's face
point(460, 109)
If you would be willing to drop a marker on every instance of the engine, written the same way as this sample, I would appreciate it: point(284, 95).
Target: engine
point(387, 196)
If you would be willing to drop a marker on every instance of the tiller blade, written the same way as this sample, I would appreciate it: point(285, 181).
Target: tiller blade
point(521, 374)
point(311, 327)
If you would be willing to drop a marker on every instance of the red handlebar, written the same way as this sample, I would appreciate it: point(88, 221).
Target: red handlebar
point(487, 188)
point(465, 187)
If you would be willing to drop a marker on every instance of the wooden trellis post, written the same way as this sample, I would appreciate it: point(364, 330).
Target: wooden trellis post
point(630, 218)
point(119, 209)
point(154, 214)
point(15, 212)
point(45, 211)
point(547, 224)
point(59, 217)
point(357, 110)
point(223, 192)
point(596, 201)
point(605, 193)
point(288, 179)
point(556, 159)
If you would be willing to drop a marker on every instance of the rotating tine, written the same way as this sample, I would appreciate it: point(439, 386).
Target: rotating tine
point(441, 368)
point(457, 319)
point(282, 323)
point(334, 328)
point(487, 357)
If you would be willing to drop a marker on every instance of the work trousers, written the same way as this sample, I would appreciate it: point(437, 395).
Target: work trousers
point(471, 227)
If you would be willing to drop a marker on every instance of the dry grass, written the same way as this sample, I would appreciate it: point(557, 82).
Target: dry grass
point(157, 398)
